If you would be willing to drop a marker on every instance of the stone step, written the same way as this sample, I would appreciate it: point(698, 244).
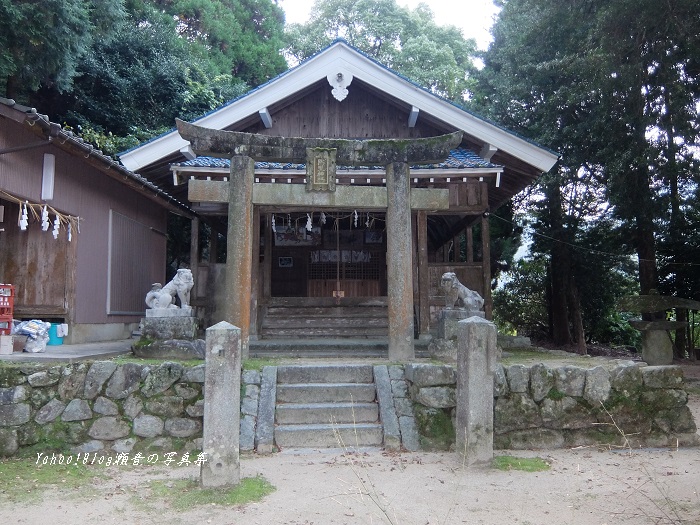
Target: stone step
point(329, 436)
point(324, 322)
point(326, 393)
point(328, 347)
point(342, 312)
point(326, 413)
point(358, 332)
point(325, 374)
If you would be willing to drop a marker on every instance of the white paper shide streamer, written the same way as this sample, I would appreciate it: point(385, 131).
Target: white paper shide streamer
point(56, 226)
point(45, 218)
point(24, 219)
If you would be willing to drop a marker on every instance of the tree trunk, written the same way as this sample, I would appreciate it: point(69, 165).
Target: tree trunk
point(680, 346)
point(559, 268)
point(11, 87)
point(577, 319)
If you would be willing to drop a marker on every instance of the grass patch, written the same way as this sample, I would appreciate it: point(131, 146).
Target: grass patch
point(144, 341)
point(524, 464)
point(22, 480)
point(514, 356)
point(183, 494)
point(555, 395)
point(257, 363)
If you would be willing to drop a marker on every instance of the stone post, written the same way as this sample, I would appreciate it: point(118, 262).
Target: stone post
point(399, 262)
point(239, 249)
point(222, 407)
point(476, 365)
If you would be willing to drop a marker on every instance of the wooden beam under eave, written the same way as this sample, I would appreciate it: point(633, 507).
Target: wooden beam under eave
point(413, 117)
point(265, 117)
point(364, 197)
point(423, 274)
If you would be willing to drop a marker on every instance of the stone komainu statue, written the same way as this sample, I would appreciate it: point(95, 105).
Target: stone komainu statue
point(164, 297)
point(458, 295)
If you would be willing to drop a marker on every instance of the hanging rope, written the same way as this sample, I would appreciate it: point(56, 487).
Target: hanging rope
point(39, 212)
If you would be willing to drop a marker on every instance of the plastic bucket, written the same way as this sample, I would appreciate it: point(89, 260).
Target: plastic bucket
point(54, 339)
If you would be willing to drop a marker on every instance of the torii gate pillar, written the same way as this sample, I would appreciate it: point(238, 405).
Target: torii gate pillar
point(239, 247)
point(399, 262)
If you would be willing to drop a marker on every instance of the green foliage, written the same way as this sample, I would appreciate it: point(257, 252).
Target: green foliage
point(153, 77)
point(438, 58)
point(519, 304)
point(120, 75)
point(143, 342)
point(524, 464)
point(555, 395)
point(42, 43)
point(243, 39)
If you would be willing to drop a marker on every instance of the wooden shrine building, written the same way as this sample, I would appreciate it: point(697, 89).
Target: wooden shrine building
point(359, 254)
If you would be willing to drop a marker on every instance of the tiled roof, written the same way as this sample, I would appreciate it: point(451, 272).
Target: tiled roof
point(459, 158)
point(54, 130)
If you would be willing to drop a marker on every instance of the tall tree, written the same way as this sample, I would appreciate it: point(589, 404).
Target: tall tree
point(436, 57)
point(141, 79)
point(612, 84)
point(42, 42)
point(244, 38)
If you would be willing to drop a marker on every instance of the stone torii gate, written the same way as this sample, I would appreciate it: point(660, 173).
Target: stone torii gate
point(321, 157)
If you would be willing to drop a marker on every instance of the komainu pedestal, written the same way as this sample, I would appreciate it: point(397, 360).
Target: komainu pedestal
point(169, 330)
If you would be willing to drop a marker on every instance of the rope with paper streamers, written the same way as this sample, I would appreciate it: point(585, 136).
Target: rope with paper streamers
point(42, 213)
point(286, 220)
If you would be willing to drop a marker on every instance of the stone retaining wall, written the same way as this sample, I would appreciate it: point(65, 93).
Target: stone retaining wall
point(124, 407)
point(101, 406)
point(538, 406)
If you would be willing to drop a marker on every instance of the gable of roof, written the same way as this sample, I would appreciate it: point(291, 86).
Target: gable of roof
point(71, 143)
point(340, 57)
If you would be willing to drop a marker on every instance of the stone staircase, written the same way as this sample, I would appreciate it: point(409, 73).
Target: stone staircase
point(309, 322)
point(327, 406)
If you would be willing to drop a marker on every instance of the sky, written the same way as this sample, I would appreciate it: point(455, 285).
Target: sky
point(474, 17)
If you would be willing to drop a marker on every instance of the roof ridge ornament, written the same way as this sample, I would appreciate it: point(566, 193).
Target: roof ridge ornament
point(340, 81)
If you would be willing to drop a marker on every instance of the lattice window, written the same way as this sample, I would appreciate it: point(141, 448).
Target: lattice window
point(368, 264)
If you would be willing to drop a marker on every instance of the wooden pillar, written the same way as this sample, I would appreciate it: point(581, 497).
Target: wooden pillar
point(239, 248)
point(194, 246)
point(399, 262)
point(470, 244)
point(423, 274)
point(486, 264)
point(457, 240)
point(255, 276)
point(267, 259)
point(213, 246)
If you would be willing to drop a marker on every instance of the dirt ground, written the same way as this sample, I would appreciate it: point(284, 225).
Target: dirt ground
point(584, 486)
